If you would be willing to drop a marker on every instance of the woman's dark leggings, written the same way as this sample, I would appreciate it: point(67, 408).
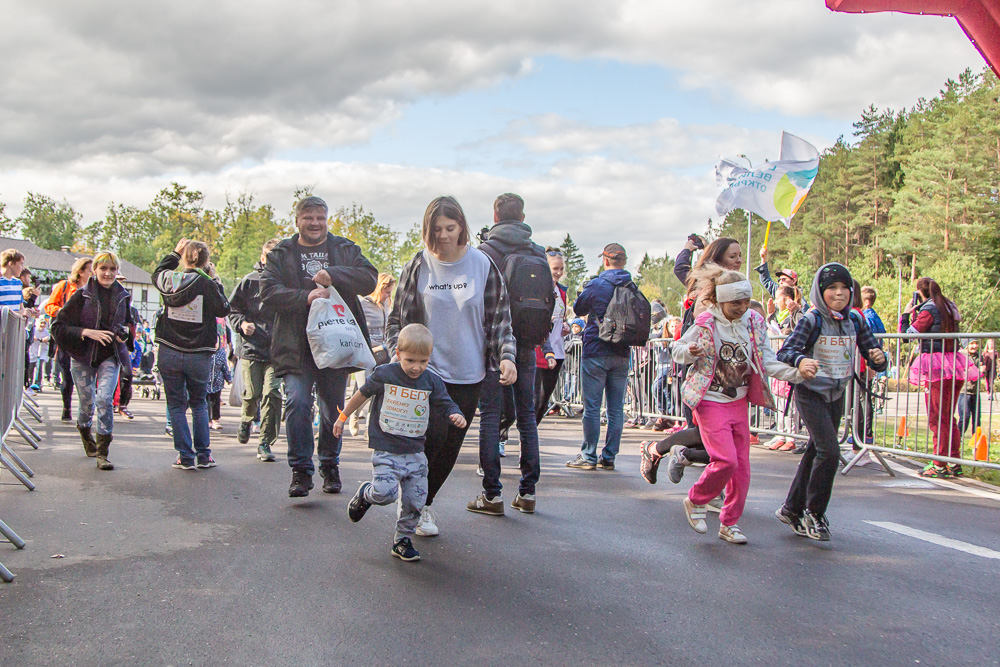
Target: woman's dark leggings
point(690, 438)
point(444, 439)
point(215, 405)
point(63, 359)
point(545, 384)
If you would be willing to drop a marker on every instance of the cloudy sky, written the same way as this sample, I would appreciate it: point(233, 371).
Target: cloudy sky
point(608, 117)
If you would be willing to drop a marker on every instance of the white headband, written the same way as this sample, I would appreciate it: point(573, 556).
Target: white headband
point(734, 291)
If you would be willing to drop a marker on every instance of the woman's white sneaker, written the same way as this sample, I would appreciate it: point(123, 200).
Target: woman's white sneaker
point(427, 527)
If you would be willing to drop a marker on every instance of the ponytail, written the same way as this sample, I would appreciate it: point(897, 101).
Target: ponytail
point(929, 288)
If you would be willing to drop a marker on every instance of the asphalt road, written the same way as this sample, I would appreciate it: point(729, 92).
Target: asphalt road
point(218, 567)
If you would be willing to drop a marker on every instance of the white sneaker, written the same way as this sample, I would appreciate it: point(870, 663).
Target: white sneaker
point(732, 534)
point(427, 527)
point(695, 515)
point(352, 424)
point(479, 471)
point(715, 504)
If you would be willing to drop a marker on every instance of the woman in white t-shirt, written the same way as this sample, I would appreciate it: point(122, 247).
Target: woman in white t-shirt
point(547, 368)
point(457, 292)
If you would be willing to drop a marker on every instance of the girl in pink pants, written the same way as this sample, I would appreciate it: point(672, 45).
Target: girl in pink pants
point(729, 354)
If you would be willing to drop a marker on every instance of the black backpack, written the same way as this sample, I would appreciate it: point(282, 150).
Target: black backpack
point(532, 297)
point(627, 319)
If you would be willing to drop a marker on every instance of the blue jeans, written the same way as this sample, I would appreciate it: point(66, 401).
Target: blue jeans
point(95, 388)
point(330, 387)
point(490, 410)
point(603, 376)
point(185, 383)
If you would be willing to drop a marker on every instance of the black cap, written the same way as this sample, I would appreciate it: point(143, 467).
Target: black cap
point(834, 273)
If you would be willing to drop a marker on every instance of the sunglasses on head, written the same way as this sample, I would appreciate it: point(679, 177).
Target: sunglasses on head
point(554, 253)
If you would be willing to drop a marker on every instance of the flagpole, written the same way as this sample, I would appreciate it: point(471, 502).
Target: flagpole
point(746, 253)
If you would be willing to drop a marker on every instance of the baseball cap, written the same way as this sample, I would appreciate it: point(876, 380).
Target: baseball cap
point(794, 277)
point(614, 251)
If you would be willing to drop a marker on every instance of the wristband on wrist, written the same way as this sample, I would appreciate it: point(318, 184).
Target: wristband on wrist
point(342, 417)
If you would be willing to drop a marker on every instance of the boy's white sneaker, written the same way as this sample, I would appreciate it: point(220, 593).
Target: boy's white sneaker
point(427, 527)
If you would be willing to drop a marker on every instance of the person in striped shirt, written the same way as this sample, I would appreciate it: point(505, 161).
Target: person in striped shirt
point(11, 264)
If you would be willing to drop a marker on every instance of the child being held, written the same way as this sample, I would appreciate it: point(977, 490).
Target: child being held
point(403, 394)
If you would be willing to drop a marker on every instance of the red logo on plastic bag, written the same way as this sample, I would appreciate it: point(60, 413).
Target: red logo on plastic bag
point(338, 309)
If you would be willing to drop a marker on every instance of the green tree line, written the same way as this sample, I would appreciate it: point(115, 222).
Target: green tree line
point(913, 193)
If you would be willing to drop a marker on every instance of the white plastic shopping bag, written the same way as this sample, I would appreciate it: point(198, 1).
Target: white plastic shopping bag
point(236, 390)
point(334, 335)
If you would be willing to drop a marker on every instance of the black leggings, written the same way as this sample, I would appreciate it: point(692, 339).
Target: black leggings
point(63, 359)
point(444, 439)
point(690, 438)
point(215, 405)
point(545, 384)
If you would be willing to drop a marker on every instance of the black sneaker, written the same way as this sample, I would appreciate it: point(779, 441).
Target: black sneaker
point(793, 521)
point(403, 550)
point(301, 483)
point(264, 453)
point(605, 464)
point(67, 415)
point(181, 464)
point(358, 506)
point(816, 527)
point(648, 463)
point(331, 479)
point(243, 435)
point(205, 461)
point(955, 470)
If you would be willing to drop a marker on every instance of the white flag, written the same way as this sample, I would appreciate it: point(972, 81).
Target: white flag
point(776, 190)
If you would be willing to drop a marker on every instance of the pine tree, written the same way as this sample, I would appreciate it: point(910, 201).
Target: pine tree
point(576, 267)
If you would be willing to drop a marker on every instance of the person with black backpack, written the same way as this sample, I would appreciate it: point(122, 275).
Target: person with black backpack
point(618, 317)
point(526, 273)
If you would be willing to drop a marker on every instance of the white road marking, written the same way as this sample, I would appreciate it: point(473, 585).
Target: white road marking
point(939, 540)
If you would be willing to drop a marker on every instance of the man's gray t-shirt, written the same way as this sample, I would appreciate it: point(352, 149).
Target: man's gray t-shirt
point(453, 300)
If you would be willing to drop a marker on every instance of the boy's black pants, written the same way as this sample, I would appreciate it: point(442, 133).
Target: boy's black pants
point(813, 483)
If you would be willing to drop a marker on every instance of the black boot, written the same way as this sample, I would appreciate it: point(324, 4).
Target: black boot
point(301, 483)
point(331, 479)
point(67, 415)
point(89, 444)
point(103, 444)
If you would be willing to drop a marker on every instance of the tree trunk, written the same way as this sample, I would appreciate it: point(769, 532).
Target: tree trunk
point(913, 267)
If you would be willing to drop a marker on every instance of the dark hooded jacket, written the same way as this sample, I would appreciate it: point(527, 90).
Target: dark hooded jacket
point(510, 237)
point(192, 302)
point(593, 302)
point(83, 311)
point(802, 340)
point(245, 306)
point(283, 293)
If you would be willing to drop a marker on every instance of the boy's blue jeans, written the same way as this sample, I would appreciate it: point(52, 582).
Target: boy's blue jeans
point(603, 376)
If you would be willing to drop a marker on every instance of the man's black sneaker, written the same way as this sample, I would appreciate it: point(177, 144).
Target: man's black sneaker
point(243, 435)
point(793, 521)
point(816, 527)
point(358, 506)
point(67, 415)
point(331, 479)
point(301, 483)
point(955, 470)
point(403, 550)
point(264, 453)
point(605, 464)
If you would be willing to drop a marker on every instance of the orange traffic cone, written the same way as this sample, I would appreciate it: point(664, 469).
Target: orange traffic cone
point(975, 438)
point(982, 452)
point(901, 430)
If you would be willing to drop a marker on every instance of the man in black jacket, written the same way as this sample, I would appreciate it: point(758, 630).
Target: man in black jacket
point(298, 271)
point(252, 329)
point(510, 236)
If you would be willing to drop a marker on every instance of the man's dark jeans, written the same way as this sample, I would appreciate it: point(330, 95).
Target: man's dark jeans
point(490, 409)
point(813, 483)
point(330, 387)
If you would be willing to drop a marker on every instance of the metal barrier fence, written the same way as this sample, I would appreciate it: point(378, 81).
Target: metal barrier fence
point(904, 411)
point(12, 397)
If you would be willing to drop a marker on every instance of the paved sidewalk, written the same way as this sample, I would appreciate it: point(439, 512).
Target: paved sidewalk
point(219, 566)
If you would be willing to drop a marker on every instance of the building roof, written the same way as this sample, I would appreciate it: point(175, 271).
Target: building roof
point(57, 260)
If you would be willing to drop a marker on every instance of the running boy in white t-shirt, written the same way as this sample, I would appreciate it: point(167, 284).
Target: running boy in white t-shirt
point(403, 395)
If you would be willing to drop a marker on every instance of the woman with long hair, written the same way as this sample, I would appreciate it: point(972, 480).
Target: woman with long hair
point(547, 368)
point(455, 291)
point(940, 368)
point(78, 276)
